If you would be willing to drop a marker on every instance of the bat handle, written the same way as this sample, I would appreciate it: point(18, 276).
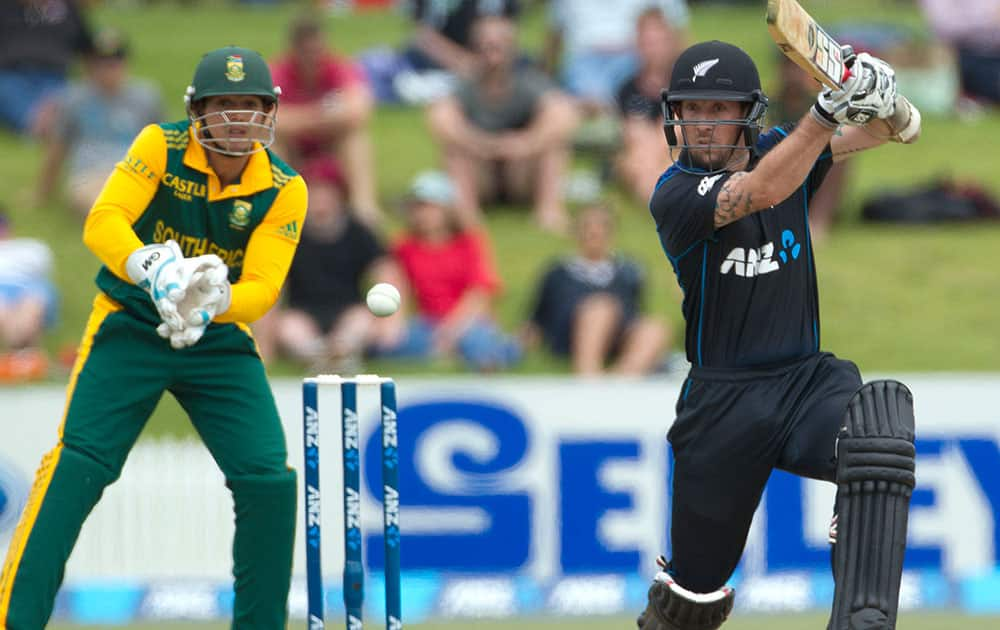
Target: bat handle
point(847, 54)
point(847, 75)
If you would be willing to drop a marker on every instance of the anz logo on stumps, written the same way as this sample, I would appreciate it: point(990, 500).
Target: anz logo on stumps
point(391, 515)
point(352, 503)
point(756, 261)
point(315, 623)
point(351, 439)
point(312, 437)
point(314, 519)
point(390, 438)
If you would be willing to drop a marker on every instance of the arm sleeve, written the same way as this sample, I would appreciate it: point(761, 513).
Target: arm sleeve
point(634, 288)
point(132, 184)
point(683, 207)
point(539, 314)
point(369, 246)
point(269, 255)
point(483, 273)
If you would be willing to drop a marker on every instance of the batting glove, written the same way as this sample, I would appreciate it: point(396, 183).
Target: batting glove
point(870, 92)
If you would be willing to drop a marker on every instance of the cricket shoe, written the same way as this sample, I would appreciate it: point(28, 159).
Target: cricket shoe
point(670, 606)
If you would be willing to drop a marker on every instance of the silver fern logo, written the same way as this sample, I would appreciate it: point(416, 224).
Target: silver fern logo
point(701, 68)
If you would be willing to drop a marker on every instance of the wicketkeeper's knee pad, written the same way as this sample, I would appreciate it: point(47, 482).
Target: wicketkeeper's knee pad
point(876, 461)
point(672, 607)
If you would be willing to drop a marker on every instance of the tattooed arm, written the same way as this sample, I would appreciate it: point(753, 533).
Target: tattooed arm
point(779, 173)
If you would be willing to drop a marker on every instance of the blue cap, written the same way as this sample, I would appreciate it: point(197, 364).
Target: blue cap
point(432, 187)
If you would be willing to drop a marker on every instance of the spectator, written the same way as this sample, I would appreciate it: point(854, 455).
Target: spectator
point(644, 153)
point(443, 36)
point(27, 304)
point(973, 28)
point(588, 306)
point(439, 51)
point(324, 322)
point(593, 42)
point(505, 133)
point(450, 275)
point(95, 121)
point(325, 106)
point(39, 39)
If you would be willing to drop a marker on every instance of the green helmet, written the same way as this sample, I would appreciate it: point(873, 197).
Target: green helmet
point(232, 70)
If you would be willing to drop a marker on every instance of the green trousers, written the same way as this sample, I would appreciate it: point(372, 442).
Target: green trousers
point(122, 370)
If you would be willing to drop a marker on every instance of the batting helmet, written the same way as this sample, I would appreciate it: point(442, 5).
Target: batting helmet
point(714, 71)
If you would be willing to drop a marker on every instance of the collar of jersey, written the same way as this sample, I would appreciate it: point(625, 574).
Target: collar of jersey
point(256, 176)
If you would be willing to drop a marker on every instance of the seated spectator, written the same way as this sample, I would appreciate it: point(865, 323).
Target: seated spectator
point(644, 153)
point(95, 121)
point(39, 40)
point(323, 321)
point(973, 28)
point(443, 33)
point(593, 43)
point(505, 133)
point(27, 305)
point(450, 280)
point(588, 307)
point(325, 107)
point(438, 51)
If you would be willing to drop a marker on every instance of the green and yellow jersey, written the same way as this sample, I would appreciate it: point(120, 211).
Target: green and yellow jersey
point(164, 189)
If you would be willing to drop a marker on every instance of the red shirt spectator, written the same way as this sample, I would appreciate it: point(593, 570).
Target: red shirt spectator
point(440, 273)
point(326, 105)
point(332, 74)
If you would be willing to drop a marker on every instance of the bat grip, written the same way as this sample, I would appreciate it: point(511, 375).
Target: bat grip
point(847, 75)
point(847, 53)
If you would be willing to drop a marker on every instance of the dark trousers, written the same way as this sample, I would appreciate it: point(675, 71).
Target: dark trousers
point(733, 427)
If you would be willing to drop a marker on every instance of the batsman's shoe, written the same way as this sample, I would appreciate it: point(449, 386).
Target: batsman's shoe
point(670, 606)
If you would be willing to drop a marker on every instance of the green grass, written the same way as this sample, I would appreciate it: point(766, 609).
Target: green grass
point(923, 621)
point(892, 298)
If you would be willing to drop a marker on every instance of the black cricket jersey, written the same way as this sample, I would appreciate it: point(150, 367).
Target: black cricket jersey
point(750, 295)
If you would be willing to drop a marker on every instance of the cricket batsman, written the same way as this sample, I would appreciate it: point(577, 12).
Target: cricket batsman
point(196, 228)
point(732, 216)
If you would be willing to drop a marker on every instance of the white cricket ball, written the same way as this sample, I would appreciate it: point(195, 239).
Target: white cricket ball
point(383, 299)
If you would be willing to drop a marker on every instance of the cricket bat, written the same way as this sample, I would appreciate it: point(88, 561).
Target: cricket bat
point(806, 43)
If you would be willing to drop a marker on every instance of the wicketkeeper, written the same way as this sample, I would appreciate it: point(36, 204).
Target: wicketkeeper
point(196, 228)
point(732, 215)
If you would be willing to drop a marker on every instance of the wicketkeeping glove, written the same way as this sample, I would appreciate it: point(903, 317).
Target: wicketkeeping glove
point(157, 269)
point(870, 92)
point(208, 294)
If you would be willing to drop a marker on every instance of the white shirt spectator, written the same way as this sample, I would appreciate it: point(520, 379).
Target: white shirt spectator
point(606, 26)
point(970, 22)
point(24, 260)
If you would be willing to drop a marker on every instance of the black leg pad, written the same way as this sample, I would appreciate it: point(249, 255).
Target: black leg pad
point(876, 460)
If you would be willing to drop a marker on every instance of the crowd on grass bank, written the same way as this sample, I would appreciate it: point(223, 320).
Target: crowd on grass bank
point(508, 125)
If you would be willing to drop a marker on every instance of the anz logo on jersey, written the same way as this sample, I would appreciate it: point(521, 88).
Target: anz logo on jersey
point(747, 262)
